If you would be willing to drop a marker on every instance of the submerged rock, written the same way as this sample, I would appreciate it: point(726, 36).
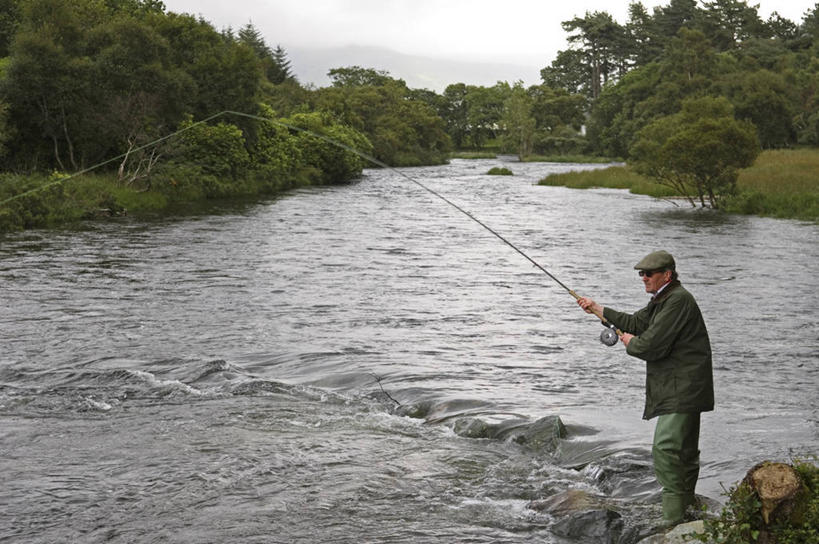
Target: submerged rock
point(681, 534)
point(544, 434)
point(591, 527)
point(471, 427)
point(567, 502)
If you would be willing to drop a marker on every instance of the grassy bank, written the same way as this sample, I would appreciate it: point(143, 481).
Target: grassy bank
point(48, 201)
point(583, 159)
point(781, 183)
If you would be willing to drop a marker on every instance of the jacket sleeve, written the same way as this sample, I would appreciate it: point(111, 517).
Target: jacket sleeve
point(634, 323)
point(657, 340)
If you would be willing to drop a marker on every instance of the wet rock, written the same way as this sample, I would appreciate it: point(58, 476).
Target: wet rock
point(416, 410)
point(681, 534)
point(471, 427)
point(591, 527)
point(566, 503)
point(542, 435)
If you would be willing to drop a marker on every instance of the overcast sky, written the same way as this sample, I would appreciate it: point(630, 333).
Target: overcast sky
point(524, 32)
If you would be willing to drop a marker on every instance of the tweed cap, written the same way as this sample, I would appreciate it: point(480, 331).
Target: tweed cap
point(657, 260)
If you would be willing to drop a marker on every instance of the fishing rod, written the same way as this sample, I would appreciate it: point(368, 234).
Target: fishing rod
point(608, 336)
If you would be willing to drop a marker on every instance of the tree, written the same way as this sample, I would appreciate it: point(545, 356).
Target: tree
point(728, 23)
point(698, 151)
point(602, 43)
point(9, 19)
point(518, 121)
point(275, 64)
point(764, 98)
point(485, 109)
point(356, 76)
point(403, 131)
point(455, 113)
point(282, 71)
point(320, 147)
point(642, 38)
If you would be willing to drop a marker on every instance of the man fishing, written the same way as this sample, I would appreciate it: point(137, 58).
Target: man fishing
point(670, 335)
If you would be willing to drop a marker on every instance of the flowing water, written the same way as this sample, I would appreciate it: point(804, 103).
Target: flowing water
point(296, 370)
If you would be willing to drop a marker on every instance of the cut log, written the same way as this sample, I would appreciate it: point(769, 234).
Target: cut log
point(778, 486)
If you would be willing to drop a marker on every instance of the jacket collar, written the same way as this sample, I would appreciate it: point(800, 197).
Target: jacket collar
point(656, 299)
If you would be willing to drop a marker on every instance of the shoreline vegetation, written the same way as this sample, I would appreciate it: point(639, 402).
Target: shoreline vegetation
point(195, 114)
point(782, 184)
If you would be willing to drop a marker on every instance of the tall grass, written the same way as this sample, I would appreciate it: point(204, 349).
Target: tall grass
point(781, 183)
point(614, 177)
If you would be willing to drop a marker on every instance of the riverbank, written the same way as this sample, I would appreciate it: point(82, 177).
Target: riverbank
point(42, 201)
point(781, 184)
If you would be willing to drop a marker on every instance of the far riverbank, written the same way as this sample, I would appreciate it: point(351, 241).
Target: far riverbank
point(781, 184)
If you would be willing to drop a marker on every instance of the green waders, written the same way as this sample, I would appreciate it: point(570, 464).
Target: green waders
point(677, 461)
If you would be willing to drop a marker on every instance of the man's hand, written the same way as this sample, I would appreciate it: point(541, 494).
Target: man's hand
point(625, 338)
point(590, 306)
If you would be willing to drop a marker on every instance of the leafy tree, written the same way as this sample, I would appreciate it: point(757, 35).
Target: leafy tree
point(698, 151)
point(644, 43)
point(690, 56)
point(48, 82)
point(275, 64)
point(356, 76)
point(568, 71)
point(320, 149)
point(9, 19)
point(553, 108)
point(602, 43)
point(485, 109)
point(668, 20)
point(282, 70)
point(518, 121)
point(227, 75)
point(402, 131)
point(763, 97)
point(455, 112)
point(136, 7)
point(727, 23)
point(219, 150)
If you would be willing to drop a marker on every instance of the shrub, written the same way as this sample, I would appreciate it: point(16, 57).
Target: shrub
point(740, 521)
point(498, 171)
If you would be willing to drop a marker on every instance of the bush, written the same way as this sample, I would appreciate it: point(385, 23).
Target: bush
point(740, 521)
point(497, 171)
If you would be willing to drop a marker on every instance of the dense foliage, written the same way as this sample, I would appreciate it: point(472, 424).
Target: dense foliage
point(740, 521)
point(82, 81)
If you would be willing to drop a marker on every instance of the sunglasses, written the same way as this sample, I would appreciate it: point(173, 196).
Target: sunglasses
point(649, 273)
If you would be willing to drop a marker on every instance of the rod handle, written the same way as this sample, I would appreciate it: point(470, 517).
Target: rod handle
point(598, 314)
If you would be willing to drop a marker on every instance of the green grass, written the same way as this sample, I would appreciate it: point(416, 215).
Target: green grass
point(498, 171)
point(472, 155)
point(614, 177)
point(781, 183)
point(584, 159)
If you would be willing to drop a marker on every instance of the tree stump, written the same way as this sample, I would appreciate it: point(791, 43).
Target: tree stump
point(778, 486)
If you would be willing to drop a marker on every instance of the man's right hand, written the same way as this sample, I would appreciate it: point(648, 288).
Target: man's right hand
point(590, 306)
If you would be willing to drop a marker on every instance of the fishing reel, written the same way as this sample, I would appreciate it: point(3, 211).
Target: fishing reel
point(609, 334)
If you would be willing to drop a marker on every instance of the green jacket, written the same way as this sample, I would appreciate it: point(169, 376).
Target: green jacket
point(670, 336)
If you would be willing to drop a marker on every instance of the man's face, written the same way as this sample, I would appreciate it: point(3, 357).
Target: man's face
point(654, 279)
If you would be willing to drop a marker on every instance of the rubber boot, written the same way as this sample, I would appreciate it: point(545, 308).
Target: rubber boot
point(674, 508)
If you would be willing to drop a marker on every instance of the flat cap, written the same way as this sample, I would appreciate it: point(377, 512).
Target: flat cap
point(657, 260)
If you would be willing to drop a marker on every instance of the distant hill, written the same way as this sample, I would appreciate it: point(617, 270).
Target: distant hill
point(312, 65)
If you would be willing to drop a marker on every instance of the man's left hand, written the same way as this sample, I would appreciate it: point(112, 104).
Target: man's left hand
point(625, 338)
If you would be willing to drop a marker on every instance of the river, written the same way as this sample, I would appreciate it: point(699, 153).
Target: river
point(235, 375)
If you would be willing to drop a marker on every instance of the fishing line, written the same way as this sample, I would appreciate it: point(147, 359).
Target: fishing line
point(609, 335)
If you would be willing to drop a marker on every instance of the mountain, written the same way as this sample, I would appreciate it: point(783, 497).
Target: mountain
point(312, 65)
